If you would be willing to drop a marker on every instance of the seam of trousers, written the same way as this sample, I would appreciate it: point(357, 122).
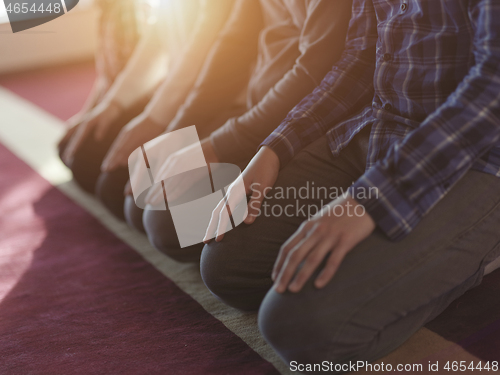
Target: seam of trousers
point(470, 282)
point(430, 256)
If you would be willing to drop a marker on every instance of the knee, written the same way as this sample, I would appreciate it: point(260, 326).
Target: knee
point(133, 214)
point(85, 174)
point(229, 276)
point(86, 162)
point(301, 329)
point(109, 190)
point(290, 327)
point(160, 230)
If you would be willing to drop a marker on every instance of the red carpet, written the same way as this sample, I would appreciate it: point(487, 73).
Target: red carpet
point(88, 303)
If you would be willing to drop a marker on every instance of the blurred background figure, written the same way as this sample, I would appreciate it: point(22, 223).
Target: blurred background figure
point(145, 74)
point(119, 31)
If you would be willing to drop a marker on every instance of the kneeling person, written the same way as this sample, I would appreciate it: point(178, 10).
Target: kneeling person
point(419, 158)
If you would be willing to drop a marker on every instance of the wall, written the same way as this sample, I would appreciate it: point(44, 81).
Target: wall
point(69, 38)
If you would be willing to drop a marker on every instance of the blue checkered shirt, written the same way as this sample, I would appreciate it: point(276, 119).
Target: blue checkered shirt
point(431, 71)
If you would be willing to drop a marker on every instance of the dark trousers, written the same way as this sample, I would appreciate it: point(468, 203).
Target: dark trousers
point(86, 167)
point(383, 292)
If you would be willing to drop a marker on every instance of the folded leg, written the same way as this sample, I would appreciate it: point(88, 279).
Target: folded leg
point(384, 291)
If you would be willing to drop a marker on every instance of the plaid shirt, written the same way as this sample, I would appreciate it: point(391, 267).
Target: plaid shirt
point(431, 70)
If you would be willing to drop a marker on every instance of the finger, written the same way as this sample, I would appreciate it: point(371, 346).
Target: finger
point(288, 246)
point(223, 221)
point(123, 151)
point(75, 142)
point(128, 189)
point(293, 260)
point(66, 138)
point(101, 129)
point(303, 230)
point(312, 262)
point(72, 146)
point(120, 159)
point(336, 257)
point(109, 162)
point(214, 221)
point(236, 197)
point(254, 205)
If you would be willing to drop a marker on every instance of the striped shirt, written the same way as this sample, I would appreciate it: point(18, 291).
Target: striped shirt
point(425, 75)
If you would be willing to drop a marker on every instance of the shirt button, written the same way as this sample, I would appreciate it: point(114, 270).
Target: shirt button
point(387, 57)
point(388, 106)
point(404, 7)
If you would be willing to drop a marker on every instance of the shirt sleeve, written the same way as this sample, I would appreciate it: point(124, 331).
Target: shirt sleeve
point(344, 89)
point(320, 44)
point(144, 71)
point(226, 71)
point(182, 76)
point(419, 170)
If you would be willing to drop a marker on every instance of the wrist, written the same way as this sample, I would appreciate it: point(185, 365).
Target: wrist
point(270, 156)
point(360, 211)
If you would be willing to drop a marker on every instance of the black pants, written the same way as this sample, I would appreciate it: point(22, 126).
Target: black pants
point(383, 292)
point(86, 167)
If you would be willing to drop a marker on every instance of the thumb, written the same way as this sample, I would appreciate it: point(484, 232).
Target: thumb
point(254, 205)
point(113, 157)
point(75, 142)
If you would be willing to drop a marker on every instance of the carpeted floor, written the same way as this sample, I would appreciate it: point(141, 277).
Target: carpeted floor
point(85, 302)
point(80, 293)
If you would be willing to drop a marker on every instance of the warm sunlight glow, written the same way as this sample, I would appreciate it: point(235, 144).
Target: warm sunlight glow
point(3, 13)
